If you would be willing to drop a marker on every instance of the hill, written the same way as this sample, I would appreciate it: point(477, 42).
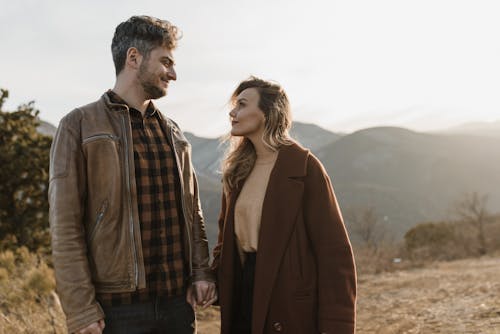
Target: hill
point(47, 129)
point(477, 129)
point(411, 177)
point(312, 136)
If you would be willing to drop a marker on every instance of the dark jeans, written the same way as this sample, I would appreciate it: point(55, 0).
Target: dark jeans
point(170, 316)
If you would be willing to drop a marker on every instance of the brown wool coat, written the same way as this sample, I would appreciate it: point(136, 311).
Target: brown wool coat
point(305, 279)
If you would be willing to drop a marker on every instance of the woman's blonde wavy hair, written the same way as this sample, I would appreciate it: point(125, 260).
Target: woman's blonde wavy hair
point(240, 156)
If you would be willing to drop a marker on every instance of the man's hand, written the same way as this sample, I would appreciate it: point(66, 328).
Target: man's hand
point(94, 328)
point(202, 293)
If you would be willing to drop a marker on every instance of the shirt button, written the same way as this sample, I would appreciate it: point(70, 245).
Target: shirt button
point(277, 326)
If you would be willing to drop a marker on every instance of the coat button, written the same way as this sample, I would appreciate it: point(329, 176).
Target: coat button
point(277, 326)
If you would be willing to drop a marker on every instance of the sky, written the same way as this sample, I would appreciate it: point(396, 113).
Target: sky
point(346, 65)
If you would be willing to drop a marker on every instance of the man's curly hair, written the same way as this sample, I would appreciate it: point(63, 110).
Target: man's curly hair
point(144, 33)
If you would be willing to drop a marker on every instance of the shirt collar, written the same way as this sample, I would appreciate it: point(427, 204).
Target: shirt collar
point(115, 98)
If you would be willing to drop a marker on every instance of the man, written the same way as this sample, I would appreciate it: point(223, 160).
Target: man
point(128, 237)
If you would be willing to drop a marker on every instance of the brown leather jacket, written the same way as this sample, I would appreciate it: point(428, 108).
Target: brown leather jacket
point(96, 240)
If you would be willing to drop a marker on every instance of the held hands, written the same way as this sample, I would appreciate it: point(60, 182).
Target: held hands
point(201, 293)
point(94, 328)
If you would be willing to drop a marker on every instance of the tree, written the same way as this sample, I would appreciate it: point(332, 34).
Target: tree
point(471, 208)
point(366, 225)
point(24, 161)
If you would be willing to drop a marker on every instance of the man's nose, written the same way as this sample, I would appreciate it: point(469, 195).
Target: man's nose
point(172, 75)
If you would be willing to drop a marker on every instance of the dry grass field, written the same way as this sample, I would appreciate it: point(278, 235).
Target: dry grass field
point(446, 297)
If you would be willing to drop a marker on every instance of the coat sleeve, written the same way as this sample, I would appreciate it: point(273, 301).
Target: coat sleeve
point(67, 187)
point(200, 256)
point(218, 246)
point(332, 250)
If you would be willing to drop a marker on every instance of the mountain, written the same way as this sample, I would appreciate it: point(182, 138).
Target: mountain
point(491, 129)
point(207, 154)
point(312, 136)
point(47, 129)
point(411, 177)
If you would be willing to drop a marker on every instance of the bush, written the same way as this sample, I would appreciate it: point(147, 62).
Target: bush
point(23, 179)
point(8, 261)
point(440, 241)
point(28, 303)
point(40, 281)
point(429, 241)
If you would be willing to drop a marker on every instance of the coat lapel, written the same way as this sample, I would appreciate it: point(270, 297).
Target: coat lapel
point(282, 203)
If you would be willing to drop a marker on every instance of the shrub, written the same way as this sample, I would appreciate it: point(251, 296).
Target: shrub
point(431, 241)
point(23, 178)
point(8, 261)
point(28, 303)
point(39, 281)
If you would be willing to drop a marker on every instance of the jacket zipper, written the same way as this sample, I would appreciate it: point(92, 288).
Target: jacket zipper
point(182, 200)
point(127, 173)
point(99, 136)
point(99, 218)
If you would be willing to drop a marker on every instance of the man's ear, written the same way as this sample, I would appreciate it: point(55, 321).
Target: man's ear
point(134, 58)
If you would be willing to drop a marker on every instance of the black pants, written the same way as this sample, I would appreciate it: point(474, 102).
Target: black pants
point(172, 315)
point(242, 316)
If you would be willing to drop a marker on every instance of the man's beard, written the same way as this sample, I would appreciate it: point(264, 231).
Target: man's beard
point(146, 79)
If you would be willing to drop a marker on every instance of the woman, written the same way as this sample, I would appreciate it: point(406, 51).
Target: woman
point(283, 258)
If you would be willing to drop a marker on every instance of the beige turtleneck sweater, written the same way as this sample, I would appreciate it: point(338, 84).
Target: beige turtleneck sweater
point(248, 209)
